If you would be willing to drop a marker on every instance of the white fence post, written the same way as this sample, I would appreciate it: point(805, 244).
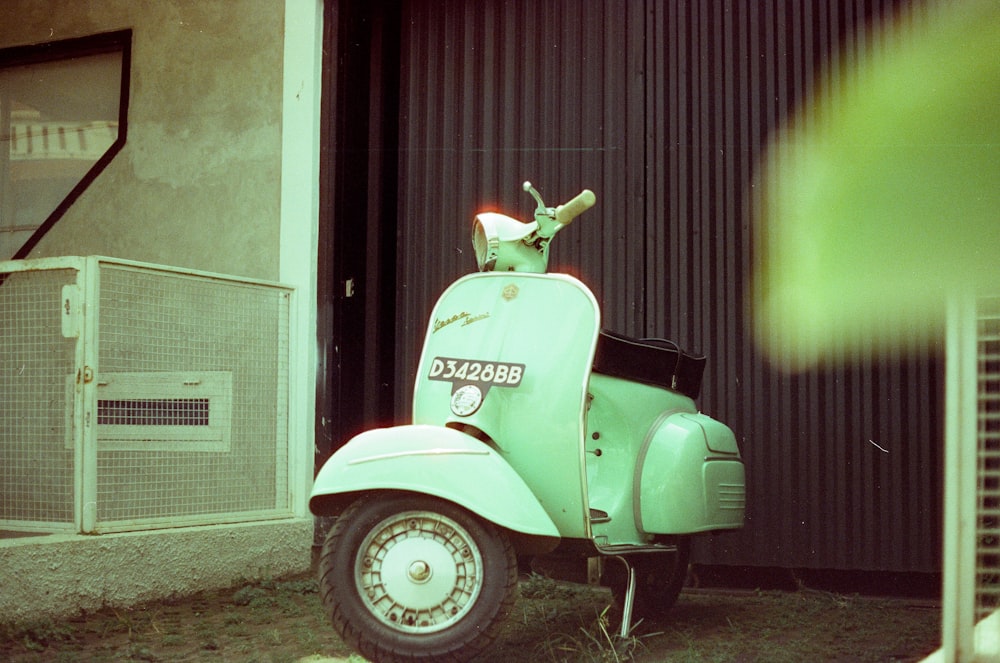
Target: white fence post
point(959, 573)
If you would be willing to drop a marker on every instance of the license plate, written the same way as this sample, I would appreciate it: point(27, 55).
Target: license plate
point(474, 371)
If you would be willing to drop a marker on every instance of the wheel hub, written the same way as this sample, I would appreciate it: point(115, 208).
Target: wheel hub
point(419, 572)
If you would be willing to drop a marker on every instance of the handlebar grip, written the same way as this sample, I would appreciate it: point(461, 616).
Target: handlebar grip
point(575, 207)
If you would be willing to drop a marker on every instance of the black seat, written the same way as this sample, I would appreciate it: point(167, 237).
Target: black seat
point(652, 361)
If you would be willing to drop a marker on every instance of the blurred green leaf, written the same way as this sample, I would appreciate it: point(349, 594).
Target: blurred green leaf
point(884, 195)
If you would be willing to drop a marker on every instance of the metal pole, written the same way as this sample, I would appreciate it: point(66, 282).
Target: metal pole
point(961, 444)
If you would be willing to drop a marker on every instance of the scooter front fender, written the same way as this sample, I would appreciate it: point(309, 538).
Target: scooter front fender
point(432, 460)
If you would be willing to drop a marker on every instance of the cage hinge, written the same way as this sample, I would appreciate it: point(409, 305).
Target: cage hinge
point(88, 375)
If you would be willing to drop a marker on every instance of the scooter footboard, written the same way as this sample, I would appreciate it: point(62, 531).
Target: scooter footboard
point(690, 477)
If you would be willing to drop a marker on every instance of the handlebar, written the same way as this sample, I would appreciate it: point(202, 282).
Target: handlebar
point(506, 244)
point(575, 207)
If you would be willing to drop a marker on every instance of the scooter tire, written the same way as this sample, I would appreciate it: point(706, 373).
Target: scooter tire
point(413, 578)
point(659, 578)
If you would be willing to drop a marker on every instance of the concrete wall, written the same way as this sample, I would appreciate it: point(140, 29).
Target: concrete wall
point(219, 173)
point(198, 183)
point(60, 575)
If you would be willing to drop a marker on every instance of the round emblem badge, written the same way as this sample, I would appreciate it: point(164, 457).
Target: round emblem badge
point(466, 400)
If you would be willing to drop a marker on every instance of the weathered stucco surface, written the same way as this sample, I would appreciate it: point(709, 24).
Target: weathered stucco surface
point(197, 185)
point(59, 575)
point(198, 182)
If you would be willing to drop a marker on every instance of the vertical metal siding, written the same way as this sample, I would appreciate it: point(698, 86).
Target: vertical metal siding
point(496, 93)
point(665, 110)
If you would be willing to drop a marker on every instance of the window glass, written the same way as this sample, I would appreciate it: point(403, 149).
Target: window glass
point(60, 123)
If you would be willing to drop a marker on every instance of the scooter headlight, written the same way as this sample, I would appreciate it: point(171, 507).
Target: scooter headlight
point(502, 244)
point(485, 241)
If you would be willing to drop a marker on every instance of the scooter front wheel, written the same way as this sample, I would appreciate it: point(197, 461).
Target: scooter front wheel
point(413, 578)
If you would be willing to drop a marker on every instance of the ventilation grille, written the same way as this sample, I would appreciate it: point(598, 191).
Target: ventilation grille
point(153, 412)
point(988, 522)
point(142, 411)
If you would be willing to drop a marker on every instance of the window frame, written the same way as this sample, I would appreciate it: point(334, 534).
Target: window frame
point(119, 41)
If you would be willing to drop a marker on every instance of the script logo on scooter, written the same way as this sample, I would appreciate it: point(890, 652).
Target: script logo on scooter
point(464, 317)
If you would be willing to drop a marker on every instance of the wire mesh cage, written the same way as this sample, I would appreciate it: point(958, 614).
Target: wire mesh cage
point(164, 392)
point(36, 359)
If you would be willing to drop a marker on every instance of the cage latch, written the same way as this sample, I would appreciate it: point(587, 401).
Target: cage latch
point(70, 314)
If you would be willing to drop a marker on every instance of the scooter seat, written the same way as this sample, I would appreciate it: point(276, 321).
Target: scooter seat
point(652, 361)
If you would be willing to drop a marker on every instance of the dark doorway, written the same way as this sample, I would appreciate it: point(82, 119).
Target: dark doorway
point(357, 236)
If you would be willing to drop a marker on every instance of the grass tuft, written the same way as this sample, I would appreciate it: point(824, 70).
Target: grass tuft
point(594, 643)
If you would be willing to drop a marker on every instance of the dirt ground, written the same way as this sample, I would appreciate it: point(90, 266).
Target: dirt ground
point(283, 621)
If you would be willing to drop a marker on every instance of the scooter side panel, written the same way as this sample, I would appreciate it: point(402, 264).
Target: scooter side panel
point(622, 416)
point(510, 354)
point(435, 461)
point(687, 484)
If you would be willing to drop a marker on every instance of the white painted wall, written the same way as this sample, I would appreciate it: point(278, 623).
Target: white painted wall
point(299, 239)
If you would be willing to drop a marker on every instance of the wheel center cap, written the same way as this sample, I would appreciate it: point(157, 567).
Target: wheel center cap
point(419, 571)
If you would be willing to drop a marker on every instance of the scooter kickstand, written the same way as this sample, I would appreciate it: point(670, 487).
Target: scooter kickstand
point(629, 597)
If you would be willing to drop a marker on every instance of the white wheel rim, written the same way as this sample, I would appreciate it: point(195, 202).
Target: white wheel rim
point(418, 572)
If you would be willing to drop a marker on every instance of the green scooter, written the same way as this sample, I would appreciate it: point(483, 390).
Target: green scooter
point(536, 438)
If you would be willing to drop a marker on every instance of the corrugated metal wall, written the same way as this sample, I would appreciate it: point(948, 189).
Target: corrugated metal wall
point(664, 109)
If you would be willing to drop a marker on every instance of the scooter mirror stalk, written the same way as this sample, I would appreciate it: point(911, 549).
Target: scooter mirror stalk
point(545, 219)
point(534, 194)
